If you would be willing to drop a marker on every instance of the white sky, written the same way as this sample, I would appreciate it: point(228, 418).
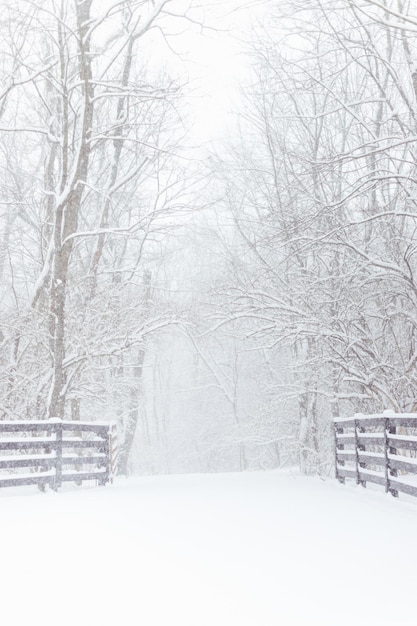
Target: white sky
point(210, 60)
point(213, 59)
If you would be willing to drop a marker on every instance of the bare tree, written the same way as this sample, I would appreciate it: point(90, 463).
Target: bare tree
point(97, 185)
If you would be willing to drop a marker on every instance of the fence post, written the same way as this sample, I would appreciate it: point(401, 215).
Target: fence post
point(113, 452)
point(337, 446)
point(355, 427)
point(105, 449)
point(389, 430)
point(58, 452)
point(386, 451)
point(358, 447)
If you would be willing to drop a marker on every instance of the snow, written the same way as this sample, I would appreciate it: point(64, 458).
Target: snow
point(251, 549)
point(381, 416)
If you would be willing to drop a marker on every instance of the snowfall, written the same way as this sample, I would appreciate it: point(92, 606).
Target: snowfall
point(250, 549)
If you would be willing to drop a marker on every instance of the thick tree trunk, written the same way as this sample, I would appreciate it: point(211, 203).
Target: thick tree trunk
point(67, 215)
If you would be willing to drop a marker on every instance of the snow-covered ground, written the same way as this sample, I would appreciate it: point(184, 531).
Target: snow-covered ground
point(255, 549)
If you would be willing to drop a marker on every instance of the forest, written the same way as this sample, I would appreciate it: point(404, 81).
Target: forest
point(221, 302)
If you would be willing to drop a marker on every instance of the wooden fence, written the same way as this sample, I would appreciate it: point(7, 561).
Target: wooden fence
point(54, 451)
point(379, 449)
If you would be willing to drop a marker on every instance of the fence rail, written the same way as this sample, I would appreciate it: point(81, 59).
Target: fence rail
point(54, 451)
point(380, 449)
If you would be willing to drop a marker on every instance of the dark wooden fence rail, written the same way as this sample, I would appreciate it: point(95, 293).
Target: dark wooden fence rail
point(379, 449)
point(54, 451)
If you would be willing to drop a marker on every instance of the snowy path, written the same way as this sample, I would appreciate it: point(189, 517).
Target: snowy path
point(261, 549)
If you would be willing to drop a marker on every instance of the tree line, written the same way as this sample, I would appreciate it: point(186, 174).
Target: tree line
point(222, 310)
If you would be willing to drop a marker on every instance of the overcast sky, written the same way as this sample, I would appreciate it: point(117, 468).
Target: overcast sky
point(214, 61)
point(209, 60)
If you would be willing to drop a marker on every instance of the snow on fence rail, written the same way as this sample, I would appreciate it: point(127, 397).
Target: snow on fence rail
point(52, 452)
point(379, 449)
